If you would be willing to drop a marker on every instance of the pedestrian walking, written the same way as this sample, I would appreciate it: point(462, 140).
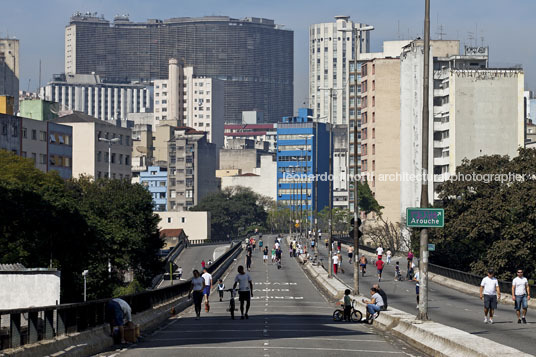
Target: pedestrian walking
point(179, 273)
point(221, 288)
point(398, 274)
point(379, 251)
point(363, 264)
point(207, 277)
point(248, 260)
point(379, 267)
point(273, 254)
point(521, 295)
point(410, 259)
point(350, 254)
point(203, 264)
point(417, 279)
point(489, 292)
point(196, 289)
point(388, 253)
point(245, 290)
point(339, 258)
point(265, 255)
point(335, 261)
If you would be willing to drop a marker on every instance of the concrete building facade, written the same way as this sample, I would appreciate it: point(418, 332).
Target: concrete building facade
point(380, 133)
point(260, 134)
point(253, 56)
point(39, 109)
point(475, 111)
point(10, 69)
point(329, 51)
point(192, 168)
point(90, 155)
point(103, 100)
point(47, 144)
point(185, 99)
point(262, 180)
point(196, 225)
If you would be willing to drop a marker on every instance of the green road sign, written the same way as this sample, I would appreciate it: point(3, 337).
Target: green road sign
point(431, 247)
point(425, 217)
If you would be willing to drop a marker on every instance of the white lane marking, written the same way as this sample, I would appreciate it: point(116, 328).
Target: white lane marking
point(249, 330)
point(376, 352)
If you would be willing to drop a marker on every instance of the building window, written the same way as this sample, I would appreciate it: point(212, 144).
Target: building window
point(24, 133)
point(113, 159)
point(99, 156)
point(373, 149)
point(42, 158)
point(374, 133)
point(120, 159)
point(4, 129)
point(34, 134)
point(127, 160)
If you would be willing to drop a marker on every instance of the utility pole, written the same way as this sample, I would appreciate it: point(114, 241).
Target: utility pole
point(330, 179)
point(423, 268)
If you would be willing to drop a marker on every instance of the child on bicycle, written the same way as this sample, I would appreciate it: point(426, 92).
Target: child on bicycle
point(347, 305)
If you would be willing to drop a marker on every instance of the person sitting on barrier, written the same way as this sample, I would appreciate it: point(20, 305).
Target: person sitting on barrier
point(374, 304)
point(118, 310)
point(383, 295)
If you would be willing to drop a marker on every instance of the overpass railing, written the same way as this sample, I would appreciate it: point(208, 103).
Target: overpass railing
point(29, 325)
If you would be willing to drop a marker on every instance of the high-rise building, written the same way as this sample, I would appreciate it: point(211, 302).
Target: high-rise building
point(185, 99)
point(96, 97)
point(303, 152)
point(192, 164)
point(254, 56)
point(9, 69)
point(474, 111)
point(331, 45)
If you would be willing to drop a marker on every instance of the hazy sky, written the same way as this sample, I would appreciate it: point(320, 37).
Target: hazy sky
point(507, 26)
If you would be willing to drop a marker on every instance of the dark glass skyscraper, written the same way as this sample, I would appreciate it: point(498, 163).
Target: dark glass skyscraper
point(253, 56)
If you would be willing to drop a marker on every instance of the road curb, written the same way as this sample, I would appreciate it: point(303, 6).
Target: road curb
point(430, 337)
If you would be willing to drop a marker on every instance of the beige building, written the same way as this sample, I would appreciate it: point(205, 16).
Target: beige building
point(185, 99)
point(196, 225)
point(380, 132)
point(90, 155)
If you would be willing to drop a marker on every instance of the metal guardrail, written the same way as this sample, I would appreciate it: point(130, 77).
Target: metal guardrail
point(216, 242)
point(29, 325)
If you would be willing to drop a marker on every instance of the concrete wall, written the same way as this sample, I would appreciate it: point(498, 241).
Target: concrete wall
point(83, 149)
point(486, 114)
point(29, 289)
point(245, 160)
point(196, 225)
point(264, 182)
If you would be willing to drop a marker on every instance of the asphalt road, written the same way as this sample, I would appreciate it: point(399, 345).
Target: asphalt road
point(288, 317)
point(446, 306)
point(190, 259)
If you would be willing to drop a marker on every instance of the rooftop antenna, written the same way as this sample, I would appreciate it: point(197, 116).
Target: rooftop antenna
point(440, 33)
point(398, 30)
point(39, 88)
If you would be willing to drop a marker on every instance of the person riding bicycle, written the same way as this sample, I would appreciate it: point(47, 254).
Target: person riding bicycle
point(375, 304)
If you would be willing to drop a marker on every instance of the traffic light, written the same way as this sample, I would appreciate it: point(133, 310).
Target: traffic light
point(359, 233)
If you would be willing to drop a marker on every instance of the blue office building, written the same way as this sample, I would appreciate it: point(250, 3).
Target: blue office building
point(302, 158)
point(155, 180)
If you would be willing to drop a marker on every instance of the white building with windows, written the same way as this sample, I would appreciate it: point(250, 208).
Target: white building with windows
point(185, 99)
point(89, 94)
point(331, 46)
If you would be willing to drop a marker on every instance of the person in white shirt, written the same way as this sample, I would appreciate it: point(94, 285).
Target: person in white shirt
point(379, 250)
point(335, 261)
point(388, 256)
point(521, 295)
point(207, 277)
point(490, 292)
point(245, 290)
point(375, 303)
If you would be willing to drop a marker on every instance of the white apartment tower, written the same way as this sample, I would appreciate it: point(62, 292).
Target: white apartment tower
point(185, 99)
point(331, 46)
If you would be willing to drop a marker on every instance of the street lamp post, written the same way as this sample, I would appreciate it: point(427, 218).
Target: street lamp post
point(109, 141)
point(356, 33)
point(84, 274)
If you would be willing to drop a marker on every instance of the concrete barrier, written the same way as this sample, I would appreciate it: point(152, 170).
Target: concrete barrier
point(430, 337)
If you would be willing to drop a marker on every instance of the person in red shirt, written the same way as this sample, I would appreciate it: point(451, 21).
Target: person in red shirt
point(379, 266)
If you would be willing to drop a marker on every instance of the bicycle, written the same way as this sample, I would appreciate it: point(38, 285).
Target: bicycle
point(232, 307)
point(355, 315)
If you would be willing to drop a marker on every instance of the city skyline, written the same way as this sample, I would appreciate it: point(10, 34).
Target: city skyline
point(391, 20)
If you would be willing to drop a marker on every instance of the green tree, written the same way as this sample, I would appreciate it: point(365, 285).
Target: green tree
point(489, 222)
point(233, 210)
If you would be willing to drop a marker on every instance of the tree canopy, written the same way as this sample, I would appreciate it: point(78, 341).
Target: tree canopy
point(490, 216)
point(77, 225)
point(233, 211)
